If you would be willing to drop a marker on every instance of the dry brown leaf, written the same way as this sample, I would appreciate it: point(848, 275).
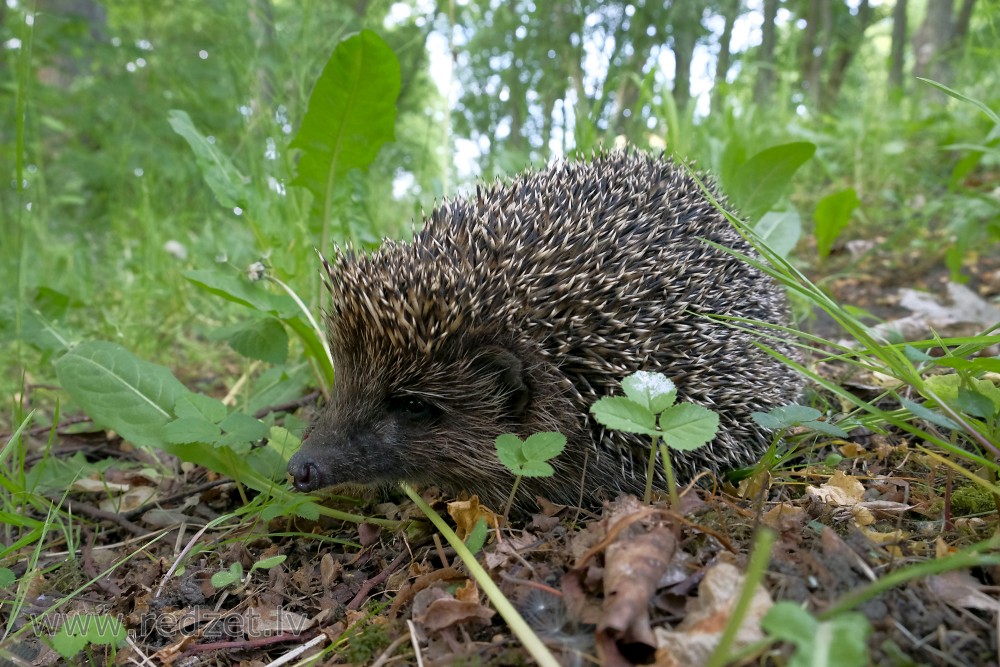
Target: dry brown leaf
point(852, 450)
point(633, 567)
point(960, 589)
point(329, 570)
point(695, 638)
point(435, 610)
point(466, 514)
point(88, 485)
point(755, 485)
point(784, 517)
point(862, 515)
point(267, 621)
point(840, 491)
point(883, 539)
point(137, 496)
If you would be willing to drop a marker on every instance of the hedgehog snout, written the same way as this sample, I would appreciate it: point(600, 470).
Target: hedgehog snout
point(305, 473)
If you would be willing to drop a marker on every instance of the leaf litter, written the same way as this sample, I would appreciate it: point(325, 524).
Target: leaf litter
point(631, 584)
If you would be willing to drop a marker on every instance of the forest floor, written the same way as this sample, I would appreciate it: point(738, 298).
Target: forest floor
point(633, 584)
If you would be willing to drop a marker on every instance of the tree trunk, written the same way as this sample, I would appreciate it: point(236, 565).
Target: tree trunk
point(807, 47)
point(764, 86)
point(687, 27)
point(931, 40)
point(961, 28)
point(847, 49)
point(730, 11)
point(897, 53)
point(822, 54)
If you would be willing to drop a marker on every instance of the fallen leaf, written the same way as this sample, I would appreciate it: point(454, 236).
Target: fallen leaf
point(467, 513)
point(960, 589)
point(784, 517)
point(692, 642)
point(840, 491)
point(633, 567)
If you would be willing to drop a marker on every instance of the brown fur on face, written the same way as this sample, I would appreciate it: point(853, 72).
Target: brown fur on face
point(515, 310)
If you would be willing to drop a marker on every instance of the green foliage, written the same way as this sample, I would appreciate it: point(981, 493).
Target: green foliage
point(83, 630)
point(528, 458)
point(833, 212)
point(115, 387)
point(650, 397)
point(780, 230)
point(263, 337)
point(838, 642)
point(786, 416)
point(227, 184)
point(764, 178)
point(146, 404)
point(227, 578)
point(352, 113)
point(234, 575)
point(477, 536)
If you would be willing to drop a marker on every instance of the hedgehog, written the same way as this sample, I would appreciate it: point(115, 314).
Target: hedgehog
point(514, 310)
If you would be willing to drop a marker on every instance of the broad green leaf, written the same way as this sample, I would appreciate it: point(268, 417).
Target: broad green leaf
point(226, 182)
point(191, 429)
point(780, 230)
point(763, 179)
point(228, 577)
point(827, 428)
point(121, 391)
point(922, 412)
point(68, 645)
point(200, 405)
point(283, 441)
point(244, 427)
point(785, 416)
point(268, 563)
point(351, 113)
point(946, 387)
point(264, 339)
point(653, 391)
point(833, 212)
point(838, 642)
point(537, 469)
point(543, 446)
point(239, 289)
point(916, 355)
point(41, 332)
point(687, 426)
point(624, 414)
point(81, 630)
point(278, 385)
point(509, 451)
point(477, 536)
point(975, 403)
point(789, 622)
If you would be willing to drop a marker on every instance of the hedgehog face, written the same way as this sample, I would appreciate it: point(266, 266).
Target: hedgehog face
point(413, 419)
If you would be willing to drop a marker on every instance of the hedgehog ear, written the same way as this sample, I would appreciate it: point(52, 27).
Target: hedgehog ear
point(509, 371)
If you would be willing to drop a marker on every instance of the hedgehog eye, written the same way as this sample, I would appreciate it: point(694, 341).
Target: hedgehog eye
point(411, 406)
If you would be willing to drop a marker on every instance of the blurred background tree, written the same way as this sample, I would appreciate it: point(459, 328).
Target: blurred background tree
point(105, 206)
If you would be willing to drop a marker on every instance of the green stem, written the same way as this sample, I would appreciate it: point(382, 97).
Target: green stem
point(515, 621)
point(650, 467)
point(668, 474)
point(510, 499)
